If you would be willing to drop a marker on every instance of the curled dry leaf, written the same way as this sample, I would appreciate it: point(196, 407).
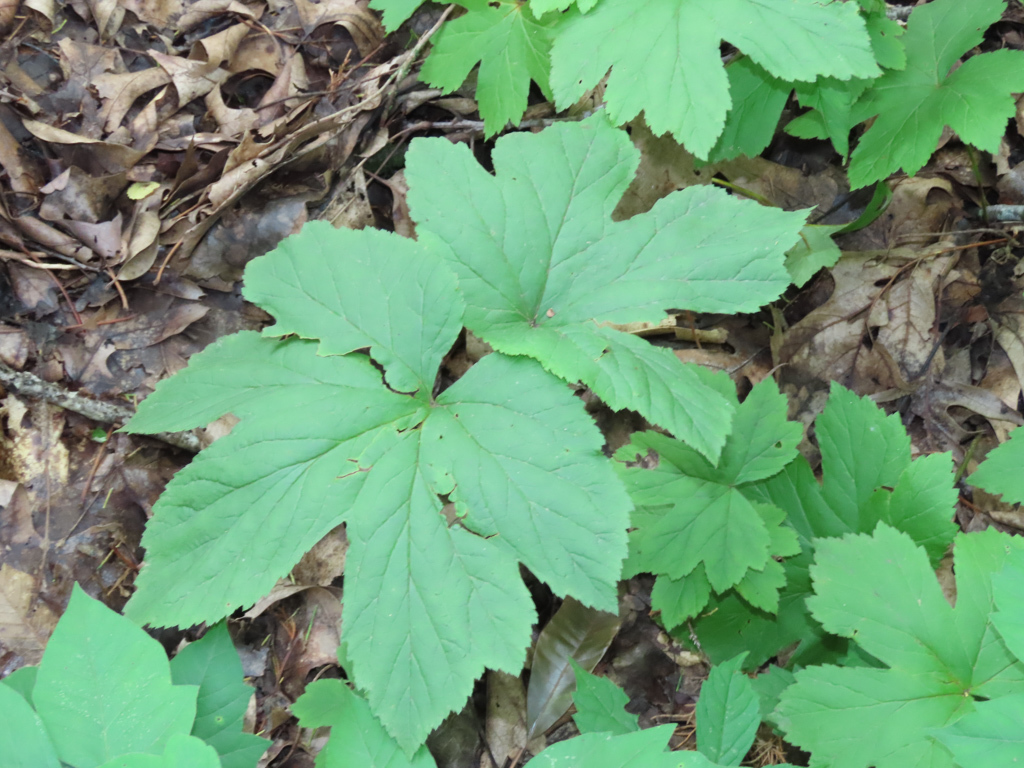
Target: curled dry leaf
point(575, 632)
point(26, 622)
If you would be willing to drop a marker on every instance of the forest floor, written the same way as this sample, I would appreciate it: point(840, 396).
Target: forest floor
point(151, 148)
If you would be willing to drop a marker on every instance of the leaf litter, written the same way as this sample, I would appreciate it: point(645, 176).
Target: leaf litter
point(241, 116)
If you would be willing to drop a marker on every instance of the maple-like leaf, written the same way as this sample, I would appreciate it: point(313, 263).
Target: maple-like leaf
point(544, 268)
point(600, 705)
point(395, 11)
point(213, 664)
point(696, 528)
point(428, 604)
point(867, 477)
point(881, 592)
point(640, 749)
point(511, 46)
point(665, 59)
point(357, 739)
point(914, 104)
point(993, 734)
point(1000, 472)
point(104, 688)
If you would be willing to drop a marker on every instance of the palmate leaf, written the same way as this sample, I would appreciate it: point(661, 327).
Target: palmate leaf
point(104, 688)
point(695, 528)
point(880, 591)
point(357, 738)
point(213, 664)
point(511, 46)
point(1000, 472)
point(865, 453)
point(322, 440)
point(640, 749)
point(543, 266)
point(914, 104)
point(600, 705)
point(665, 61)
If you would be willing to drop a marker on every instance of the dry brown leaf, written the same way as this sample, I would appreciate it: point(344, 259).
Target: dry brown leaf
point(113, 158)
point(905, 317)
point(142, 246)
point(200, 12)
point(79, 196)
point(354, 15)
point(36, 457)
point(232, 122)
point(349, 207)
point(26, 622)
point(191, 79)
point(44, 8)
point(832, 343)
point(159, 13)
point(505, 726)
point(108, 15)
point(103, 238)
point(118, 91)
point(14, 349)
point(319, 622)
point(22, 174)
point(36, 289)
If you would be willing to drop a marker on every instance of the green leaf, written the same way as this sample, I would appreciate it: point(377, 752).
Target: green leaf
point(408, 325)
point(24, 742)
point(864, 454)
point(213, 664)
point(1009, 619)
point(104, 688)
point(881, 591)
point(357, 738)
point(914, 104)
point(990, 735)
point(542, 265)
point(815, 251)
point(600, 705)
point(757, 103)
point(395, 11)
point(1000, 472)
point(728, 714)
point(642, 749)
point(429, 604)
point(576, 636)
point(511, 46)
point(182, 752)
point(697, 523)
point(677, 600)
point(23, 681)
point(543, 6)
point(676, 76)
point(862, 450)
point(242, 514)
point(769, 687)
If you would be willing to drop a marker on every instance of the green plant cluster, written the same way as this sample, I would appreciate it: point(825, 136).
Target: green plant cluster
point(846, 62)
point(105, 696)
point(345, 416)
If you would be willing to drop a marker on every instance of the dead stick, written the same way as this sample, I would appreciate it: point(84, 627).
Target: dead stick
point(30, 385)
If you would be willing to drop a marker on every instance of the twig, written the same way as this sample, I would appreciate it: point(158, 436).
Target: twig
point(29, 385)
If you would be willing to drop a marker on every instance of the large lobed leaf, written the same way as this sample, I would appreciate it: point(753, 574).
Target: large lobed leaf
point(915, 103)
point(665, 61)
point(867, 477)
point(694, 526)
point(880, 591)
point(1000, 472)
point(543, 267)
point(428, 604)
point(511, 46)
